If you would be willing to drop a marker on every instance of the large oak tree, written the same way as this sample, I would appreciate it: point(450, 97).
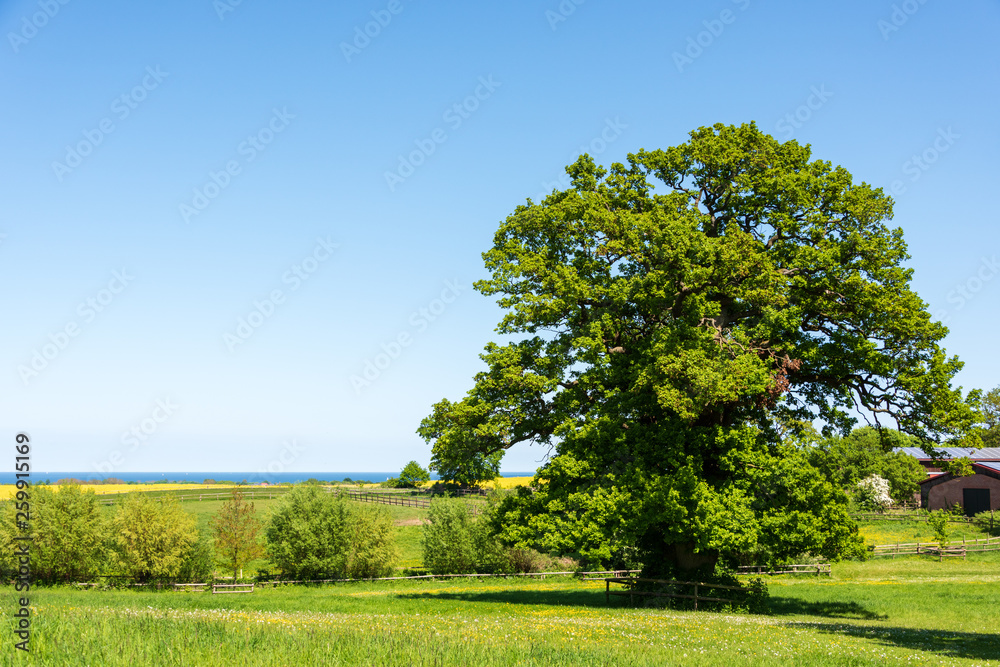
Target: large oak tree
point(670, 318)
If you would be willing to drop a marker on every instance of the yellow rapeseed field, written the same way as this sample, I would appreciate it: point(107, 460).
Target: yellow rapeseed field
point(8, 490)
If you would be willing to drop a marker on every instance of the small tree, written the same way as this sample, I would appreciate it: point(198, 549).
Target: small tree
point(313, 533)
point(412, 475)
point(237, 533)
point(448, 540)
point(372, 545)
point(938, 520)
point(307, 536)
point(872, 494)
point(67, 530)
point(151, 537)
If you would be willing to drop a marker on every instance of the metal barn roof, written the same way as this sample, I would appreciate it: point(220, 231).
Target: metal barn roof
point(946, 452)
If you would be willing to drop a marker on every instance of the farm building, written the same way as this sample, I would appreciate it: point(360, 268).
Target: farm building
point(976, 493)
point(987, 455)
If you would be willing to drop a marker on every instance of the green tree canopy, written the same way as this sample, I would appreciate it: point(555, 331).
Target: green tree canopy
point(412, 475)
point(667, 313)
point(866, 451)
point(68, 533)
point(990, 426)
point(151, 537)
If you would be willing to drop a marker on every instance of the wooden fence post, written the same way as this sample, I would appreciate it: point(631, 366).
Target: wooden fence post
point(696, 597)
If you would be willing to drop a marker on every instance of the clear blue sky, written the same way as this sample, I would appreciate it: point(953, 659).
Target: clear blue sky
point(115, 113)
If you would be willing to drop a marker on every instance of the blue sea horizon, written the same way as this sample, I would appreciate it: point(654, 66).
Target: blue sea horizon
point(199, 477)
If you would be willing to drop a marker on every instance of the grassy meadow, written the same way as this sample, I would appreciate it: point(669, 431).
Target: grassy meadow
point(903, 611)
point(887, 612)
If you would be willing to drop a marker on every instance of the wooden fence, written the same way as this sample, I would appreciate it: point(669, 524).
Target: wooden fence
point(807, 568)
point(907, 517)
point(667, 589)
point(250, 494)
point(396, 499)
point(384, 498)
point(936, 549)
point(232, 588)
point(282, 582)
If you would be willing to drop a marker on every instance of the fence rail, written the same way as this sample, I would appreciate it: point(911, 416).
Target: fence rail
point(396, 499)
point(218, 589)
point(805, 568)
point(279, 582)
point(253, 494)
point(936, 549)
point(630, 589)
point(908, 517)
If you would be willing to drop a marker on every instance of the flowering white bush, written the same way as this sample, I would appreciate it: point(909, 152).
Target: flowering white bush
point(872, 493)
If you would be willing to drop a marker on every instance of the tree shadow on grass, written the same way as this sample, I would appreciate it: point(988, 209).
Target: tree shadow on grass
point(569, 598)
point(793, 607)
point(941, 643)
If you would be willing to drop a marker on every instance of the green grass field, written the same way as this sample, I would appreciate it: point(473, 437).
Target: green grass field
point(908, 611)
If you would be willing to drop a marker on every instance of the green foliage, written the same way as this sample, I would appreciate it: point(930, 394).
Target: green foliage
point(67, 530)
point(373, 550)
point(449, 547)
point(458, 454)
point(867, 451)
point(938, 521)
point(314, 534)
point(199, 562)
point(237, 533)
point(989, 431)
point(455, 543)
point(665, 316)
point(960, 467)
point(150, 537)
point(988, 522)
point(412, 475)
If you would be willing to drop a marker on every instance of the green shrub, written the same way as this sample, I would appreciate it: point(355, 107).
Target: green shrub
point(67, 530)
point(373, 550)
point(314, 534)
point(456, 543)
point(449, 546)
point(938, 521)
point(988, 522)
point(198, 563)
point(151, 538)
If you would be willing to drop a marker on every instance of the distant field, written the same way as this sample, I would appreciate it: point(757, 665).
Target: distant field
point(8, 490)
point(905, 612)
point(891, 532)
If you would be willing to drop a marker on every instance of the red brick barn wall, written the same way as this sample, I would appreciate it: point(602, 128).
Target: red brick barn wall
point(947, 494)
